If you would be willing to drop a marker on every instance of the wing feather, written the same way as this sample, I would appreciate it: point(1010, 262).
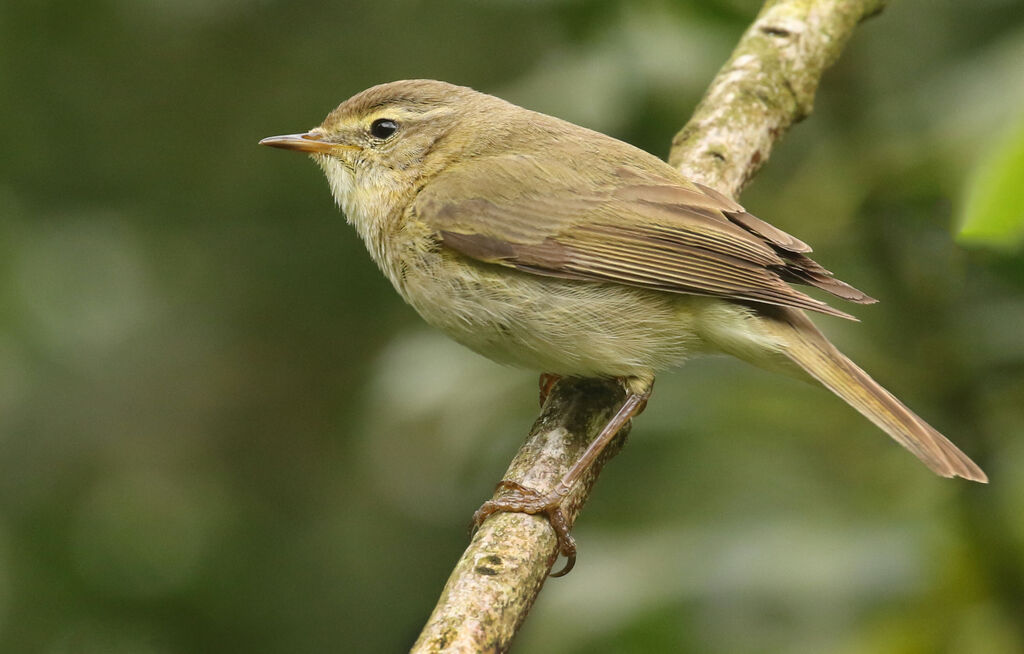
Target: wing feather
point(639, 227)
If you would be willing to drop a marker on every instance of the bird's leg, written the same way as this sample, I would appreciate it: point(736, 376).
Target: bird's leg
point(547, 382)
point(520, 499)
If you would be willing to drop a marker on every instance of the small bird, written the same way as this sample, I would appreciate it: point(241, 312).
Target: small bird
point(546, 245)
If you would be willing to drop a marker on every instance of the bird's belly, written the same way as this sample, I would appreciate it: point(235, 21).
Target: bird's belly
point(554, 325)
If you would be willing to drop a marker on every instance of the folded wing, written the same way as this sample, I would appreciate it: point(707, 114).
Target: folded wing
point(635, 226)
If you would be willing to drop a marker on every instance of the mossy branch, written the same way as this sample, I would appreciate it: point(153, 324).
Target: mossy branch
point(767, 84)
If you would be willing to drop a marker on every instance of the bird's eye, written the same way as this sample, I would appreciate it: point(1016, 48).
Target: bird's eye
point(382, 128)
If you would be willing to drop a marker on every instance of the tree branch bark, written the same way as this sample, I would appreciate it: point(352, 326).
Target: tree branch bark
point(767, 85)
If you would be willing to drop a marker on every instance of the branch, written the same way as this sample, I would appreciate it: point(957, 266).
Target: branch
point(767, 85)
point(499, 575)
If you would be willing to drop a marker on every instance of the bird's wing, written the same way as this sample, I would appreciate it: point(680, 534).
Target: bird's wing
point(635, 226)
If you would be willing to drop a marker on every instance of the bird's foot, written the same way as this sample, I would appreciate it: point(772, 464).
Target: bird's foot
point(547, 382)
point(517, 498)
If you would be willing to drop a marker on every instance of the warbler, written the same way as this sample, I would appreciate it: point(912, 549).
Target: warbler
point(546, 245)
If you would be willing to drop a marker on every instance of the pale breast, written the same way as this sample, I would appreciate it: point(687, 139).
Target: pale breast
point(547, 324)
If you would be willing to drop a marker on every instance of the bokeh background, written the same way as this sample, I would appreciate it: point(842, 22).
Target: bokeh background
point(221, 430)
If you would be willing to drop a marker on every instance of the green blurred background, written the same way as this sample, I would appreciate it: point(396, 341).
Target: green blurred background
point(221, 430)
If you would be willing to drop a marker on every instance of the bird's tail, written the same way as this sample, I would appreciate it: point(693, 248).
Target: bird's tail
point(802, 343)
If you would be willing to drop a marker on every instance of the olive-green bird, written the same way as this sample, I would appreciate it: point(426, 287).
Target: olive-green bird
point(545, 245)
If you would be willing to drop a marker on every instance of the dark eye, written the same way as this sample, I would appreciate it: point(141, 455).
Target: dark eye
point(383, 128)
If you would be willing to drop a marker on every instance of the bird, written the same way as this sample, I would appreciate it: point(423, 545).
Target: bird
point(549, 246)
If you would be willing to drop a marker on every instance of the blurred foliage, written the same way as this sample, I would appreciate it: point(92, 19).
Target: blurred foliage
point(220, 429)
point(994, 214)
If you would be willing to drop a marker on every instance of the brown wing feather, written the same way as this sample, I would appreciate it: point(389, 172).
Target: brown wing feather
point(649, 229)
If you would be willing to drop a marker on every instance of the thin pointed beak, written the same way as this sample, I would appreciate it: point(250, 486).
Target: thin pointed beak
point(308, 142)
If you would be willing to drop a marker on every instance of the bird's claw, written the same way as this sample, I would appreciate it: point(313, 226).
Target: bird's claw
point(517, 498)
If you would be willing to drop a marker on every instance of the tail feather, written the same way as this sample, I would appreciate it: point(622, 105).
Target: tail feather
point(803, 344)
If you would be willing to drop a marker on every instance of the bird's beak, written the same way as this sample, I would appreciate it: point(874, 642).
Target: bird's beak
point(308, 142)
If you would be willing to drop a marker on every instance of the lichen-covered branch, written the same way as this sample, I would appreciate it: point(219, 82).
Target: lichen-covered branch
point(495, 582)
point(767, 85)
